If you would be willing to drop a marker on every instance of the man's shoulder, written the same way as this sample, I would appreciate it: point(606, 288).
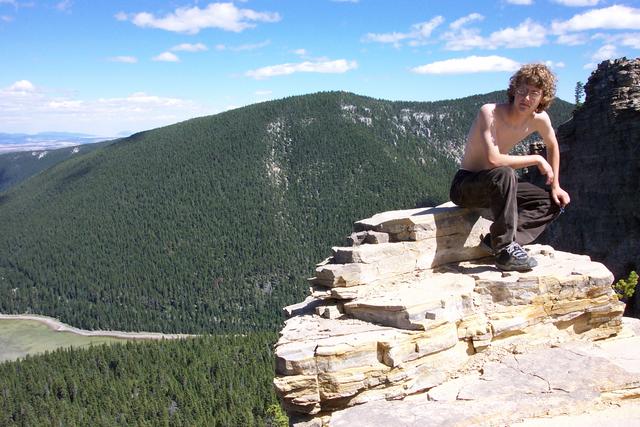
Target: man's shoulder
point(543, 115)
point(488, 107)
point(542, 119)
point(487, 112)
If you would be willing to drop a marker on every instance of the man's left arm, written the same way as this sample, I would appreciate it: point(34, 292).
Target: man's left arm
point(560, 197)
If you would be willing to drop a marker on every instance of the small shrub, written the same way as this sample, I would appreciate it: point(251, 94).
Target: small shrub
point(626, 288)
point(277, 417)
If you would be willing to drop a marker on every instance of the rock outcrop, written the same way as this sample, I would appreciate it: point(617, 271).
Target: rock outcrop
point(412, 318)
point(600, 169)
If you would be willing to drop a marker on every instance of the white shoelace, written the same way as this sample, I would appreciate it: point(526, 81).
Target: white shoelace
point(516, 251)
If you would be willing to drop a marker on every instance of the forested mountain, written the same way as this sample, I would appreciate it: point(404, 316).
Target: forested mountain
point(17, 166)
point(213, 224)
point(221, 381)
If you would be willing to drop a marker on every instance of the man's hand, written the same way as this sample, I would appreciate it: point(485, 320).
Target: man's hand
point(560, 197)
point(545, 169)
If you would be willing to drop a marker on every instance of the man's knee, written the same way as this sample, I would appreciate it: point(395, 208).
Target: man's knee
point(504, 177)
point(504, 172)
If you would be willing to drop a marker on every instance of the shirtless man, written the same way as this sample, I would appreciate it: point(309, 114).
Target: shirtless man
point(487, 177)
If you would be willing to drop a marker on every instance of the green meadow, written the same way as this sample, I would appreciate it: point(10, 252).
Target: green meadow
point(19, 338)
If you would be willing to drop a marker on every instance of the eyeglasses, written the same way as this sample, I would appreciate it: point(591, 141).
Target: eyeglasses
point(533, 93)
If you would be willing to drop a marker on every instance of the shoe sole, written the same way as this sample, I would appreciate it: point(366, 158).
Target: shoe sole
point(517, 267)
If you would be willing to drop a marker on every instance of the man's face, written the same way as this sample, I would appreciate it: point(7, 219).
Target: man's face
point(527, 97)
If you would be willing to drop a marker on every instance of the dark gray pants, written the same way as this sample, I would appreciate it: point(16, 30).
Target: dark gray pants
point(520, 209)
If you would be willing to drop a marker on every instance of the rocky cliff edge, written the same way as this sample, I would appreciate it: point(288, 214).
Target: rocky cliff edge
point(412, 325)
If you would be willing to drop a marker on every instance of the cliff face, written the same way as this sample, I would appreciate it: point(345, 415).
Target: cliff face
point(600, 168)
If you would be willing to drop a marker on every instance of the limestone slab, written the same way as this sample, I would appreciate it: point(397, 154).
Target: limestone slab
point(509, 389)
point(425, 223)
point(414, 302)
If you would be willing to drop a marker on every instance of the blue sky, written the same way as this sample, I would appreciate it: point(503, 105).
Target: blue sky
point(106, 67)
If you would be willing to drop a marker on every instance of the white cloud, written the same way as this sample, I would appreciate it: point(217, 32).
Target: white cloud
point(189, 47)
point(468, 65)
point(527, 34)
point(225, 16)
point(386, 37)
point(6, 18)
point(121, 16)
point(250, 46)
point(26, 108)
point(577, 3)
point(65, 104)
point(521, 2)
point(167, 57)
point(572, 39)
point(327, 66)
point(243, 47)
point(458, 23)
point(124, 59)
point(64, 5)
point(424, 29)
point(300, 52)
point(552, 64)
point(418, 34)
point(608, 51)
point(464, 39)
point(21, 86)
point(614, 17)
point(141, 98)
point(263, 92)
point(13, 3)
point(631, 40)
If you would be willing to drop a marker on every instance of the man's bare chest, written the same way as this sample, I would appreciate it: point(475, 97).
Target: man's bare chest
point(506, 136)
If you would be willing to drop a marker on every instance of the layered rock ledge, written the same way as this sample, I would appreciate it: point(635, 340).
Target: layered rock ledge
point(414, 309)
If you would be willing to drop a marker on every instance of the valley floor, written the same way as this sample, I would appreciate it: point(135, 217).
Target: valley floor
point(22, 335)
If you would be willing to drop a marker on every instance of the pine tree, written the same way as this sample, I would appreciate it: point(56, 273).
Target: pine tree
point(579, 93)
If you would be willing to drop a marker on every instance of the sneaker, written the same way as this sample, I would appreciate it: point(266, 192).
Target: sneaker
point(485, 244)
point(514, 258)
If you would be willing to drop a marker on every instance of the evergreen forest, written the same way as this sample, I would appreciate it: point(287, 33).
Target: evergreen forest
point(207, 381)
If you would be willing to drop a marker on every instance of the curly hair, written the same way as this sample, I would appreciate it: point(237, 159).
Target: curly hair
point(538, 75)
